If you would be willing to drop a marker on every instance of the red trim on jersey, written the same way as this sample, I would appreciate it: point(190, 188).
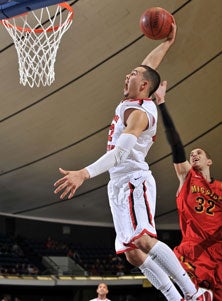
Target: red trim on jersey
point(140, 100)
point(110, 147)
point(154, 138)
point(131, 205)
point(116, 118)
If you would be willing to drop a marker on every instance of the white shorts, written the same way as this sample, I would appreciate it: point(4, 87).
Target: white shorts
point(132, 199)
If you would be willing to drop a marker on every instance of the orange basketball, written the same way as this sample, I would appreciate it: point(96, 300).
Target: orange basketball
point(156, 22)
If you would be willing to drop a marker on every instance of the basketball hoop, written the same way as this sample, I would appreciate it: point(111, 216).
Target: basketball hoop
point(37, 35)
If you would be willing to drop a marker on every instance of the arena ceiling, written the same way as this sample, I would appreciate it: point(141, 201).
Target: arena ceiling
point(66, 124)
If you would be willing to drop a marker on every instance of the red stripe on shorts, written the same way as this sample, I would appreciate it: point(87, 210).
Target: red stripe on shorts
point(131, 205)
point(147, 204)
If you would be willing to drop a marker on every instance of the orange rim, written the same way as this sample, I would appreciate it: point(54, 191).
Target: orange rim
point(39, 30)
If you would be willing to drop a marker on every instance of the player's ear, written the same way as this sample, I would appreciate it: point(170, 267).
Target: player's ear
point(209, 162)
point(144, 85)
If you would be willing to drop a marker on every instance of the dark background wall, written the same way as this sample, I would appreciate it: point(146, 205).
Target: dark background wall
point(80, 234)
point(41, 230)
point(117, 293)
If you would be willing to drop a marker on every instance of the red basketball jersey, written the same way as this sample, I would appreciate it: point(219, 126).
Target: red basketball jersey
point(200, 208)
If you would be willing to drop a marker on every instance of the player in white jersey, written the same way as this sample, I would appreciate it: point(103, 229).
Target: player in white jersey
point(102, 291)
point(132, 178)
point(132, 189)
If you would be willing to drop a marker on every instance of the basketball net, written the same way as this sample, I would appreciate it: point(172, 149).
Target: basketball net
point(37, 35)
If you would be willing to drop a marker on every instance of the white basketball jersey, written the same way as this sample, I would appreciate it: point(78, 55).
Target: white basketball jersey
point(136, 159)
point(97, 299)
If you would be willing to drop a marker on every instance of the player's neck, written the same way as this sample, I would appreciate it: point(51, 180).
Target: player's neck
point(206, 174)
point(102, 297)
point(207, 177)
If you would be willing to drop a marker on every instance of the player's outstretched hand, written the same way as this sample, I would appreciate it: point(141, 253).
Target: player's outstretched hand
point(70, 182)
point(172, 35)
point(160, 93)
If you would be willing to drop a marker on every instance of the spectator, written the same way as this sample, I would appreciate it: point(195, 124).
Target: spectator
point(102, 291)
point(6, 297)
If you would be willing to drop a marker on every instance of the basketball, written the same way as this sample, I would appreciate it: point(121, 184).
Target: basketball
point(155, 23)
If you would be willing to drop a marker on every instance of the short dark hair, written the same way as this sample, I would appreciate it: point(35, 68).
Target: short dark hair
point(153, 77)
point(205, 151)
point(207, 154)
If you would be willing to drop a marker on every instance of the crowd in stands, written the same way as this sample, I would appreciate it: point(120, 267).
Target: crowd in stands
point(7, 297)
point(13, 260)
point(17, 255)
point(18, 269)
point(110, 265)
point(22, 256)
point(94, 260)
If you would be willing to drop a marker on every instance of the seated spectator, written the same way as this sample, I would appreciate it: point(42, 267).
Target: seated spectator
point(32, 270)
point(50, 243)
point(93, 270)
point(120, 269)
point(6, 298)
point(16, 250)
point(76, 256)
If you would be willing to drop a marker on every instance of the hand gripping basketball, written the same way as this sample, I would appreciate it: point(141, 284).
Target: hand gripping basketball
point(156, 23)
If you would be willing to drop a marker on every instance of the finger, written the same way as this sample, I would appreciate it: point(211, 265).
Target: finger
point(63, 171)
point(60, 181)
point(174, 21)
point(164, 83)
point(60, 187)
point(65, 192)
point(174, 28)
point(72, 192)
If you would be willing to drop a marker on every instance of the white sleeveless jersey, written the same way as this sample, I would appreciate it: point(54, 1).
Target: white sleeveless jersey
point(136, 159)
point(97, 299)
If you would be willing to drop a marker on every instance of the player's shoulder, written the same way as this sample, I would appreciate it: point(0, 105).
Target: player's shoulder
point(149, 105)
point(145, 105)
point(137, 102)
point(217, 184)
point(140, 104)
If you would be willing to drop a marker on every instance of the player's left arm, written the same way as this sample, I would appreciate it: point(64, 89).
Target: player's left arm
point(155, 57)
point(136, 122)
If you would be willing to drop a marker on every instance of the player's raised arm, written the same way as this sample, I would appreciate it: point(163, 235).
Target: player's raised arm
point(182, 166)
point(155, 57)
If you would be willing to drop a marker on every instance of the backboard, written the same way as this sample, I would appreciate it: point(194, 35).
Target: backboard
point(10, 8)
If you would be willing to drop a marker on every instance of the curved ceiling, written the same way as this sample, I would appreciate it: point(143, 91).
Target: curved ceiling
point(65, 124)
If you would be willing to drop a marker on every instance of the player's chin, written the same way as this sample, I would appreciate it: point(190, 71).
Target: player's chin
point(196, 166)
point(125, 92)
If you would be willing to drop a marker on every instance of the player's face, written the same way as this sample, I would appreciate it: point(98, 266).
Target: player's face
point(198, 159)
point(102, 289)
point(133, 83)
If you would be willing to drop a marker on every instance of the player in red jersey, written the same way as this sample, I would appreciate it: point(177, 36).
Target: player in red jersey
point(199, 203)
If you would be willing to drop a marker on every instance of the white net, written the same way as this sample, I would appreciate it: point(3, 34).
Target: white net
point(37, 36)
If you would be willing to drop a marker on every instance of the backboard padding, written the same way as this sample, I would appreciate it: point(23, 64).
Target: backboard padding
point(10, 9)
